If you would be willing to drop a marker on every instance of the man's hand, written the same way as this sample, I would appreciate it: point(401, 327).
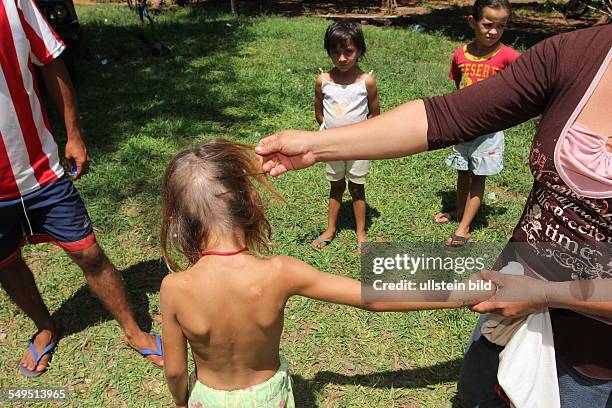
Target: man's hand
point(287, 150)
point(76, 155)
point(515, 296)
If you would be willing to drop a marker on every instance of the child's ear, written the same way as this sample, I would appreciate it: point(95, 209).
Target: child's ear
point(471, 21)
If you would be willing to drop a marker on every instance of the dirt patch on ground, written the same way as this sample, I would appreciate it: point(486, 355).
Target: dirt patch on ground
point(531, 22)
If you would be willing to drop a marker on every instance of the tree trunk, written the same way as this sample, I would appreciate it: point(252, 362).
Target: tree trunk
point(234, 6)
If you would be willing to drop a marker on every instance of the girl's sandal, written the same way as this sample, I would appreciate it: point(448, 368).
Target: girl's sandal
point(363, 247)
point(320, 243)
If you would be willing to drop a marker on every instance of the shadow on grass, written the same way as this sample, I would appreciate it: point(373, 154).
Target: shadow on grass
point(137, 108)
point(83, 309)
point(305, 390)
point(448, 200)
point(346, 221)
point(346, 218)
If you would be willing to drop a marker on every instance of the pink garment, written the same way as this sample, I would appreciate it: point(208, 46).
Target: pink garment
point(585, 162)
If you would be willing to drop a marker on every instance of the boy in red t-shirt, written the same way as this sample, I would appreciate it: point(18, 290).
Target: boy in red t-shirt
point(483, 156)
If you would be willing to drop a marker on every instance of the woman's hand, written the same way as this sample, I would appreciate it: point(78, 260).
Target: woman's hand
point(287, 150)
point(515, 296)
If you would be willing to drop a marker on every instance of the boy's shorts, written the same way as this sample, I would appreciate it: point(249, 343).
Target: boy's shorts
point(355, 170)
point(483, 156)
point(276, 392)
point(55, 214)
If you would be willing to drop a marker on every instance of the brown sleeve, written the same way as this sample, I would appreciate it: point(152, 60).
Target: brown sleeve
point(516, 94)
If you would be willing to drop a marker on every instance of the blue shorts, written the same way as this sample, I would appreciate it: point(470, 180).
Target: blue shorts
point(55, 213)
point(483, 156)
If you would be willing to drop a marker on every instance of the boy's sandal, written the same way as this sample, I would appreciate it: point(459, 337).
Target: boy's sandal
point(49, 349)
point(363, 247)
point(456, 241)
point(320, 243)
point(148, 352)
point(449, 218)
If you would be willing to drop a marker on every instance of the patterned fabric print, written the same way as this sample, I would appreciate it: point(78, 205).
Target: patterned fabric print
point(564, 222)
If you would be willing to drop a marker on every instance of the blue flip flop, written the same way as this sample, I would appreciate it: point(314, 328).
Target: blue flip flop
point(159, 346)
point(37, 357)
point(320, 241)
point(364, 247)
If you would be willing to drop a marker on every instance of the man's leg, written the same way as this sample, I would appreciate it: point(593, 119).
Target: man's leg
point(105, 282)
point(18, 282)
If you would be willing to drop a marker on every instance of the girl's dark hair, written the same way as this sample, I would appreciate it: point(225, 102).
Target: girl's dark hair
point(341, 32)
point(207, 189)
point(479, 5)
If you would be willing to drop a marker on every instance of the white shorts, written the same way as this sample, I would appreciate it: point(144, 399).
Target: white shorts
point(355, 170)
point(483, 156)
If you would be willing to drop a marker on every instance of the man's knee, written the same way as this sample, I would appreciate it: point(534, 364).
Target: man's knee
point(92, 260)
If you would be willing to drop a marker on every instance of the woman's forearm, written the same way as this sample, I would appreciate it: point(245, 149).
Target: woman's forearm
point(587, 296)
point(396, 133)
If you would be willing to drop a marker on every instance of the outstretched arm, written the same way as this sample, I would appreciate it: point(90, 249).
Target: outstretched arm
point(404, 128)
point(175, 344)
point(518, 93)
point(520, 295)
point(302, 279)
point(62, 93)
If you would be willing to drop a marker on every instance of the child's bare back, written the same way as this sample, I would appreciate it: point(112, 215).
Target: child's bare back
point(228, 305)
point(230, 309)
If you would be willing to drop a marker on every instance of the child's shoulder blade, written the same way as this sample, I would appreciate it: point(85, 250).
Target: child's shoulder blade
point(170, 283)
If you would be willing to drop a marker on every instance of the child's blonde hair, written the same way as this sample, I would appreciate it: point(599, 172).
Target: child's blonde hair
point(209, 189)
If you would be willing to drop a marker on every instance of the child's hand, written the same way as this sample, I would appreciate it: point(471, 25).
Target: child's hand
point(478, 290)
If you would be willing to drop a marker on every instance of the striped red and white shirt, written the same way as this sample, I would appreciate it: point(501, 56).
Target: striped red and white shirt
point(28, 152)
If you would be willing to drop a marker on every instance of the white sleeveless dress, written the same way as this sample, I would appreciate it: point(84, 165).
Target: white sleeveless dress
point(344, 105)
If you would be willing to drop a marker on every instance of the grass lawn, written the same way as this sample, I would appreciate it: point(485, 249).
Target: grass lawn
point(242, 79)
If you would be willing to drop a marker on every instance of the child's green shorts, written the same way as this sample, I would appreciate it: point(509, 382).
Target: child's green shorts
point(276, 392)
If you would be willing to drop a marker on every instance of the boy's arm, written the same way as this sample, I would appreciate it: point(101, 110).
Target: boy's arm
point(454, 73)
point(318, 99)
point(175, 344)
point(305, 280)
point(373, 102)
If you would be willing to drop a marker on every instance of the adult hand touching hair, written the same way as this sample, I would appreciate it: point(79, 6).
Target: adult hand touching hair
point(288, 150)
point(386, 136)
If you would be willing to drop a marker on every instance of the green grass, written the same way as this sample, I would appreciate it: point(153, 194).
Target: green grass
point(242, 79)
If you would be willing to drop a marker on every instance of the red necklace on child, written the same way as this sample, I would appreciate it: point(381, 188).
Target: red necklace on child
point(223, 253)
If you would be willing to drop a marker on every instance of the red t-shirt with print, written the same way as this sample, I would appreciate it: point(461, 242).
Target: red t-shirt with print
point(467, 69)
